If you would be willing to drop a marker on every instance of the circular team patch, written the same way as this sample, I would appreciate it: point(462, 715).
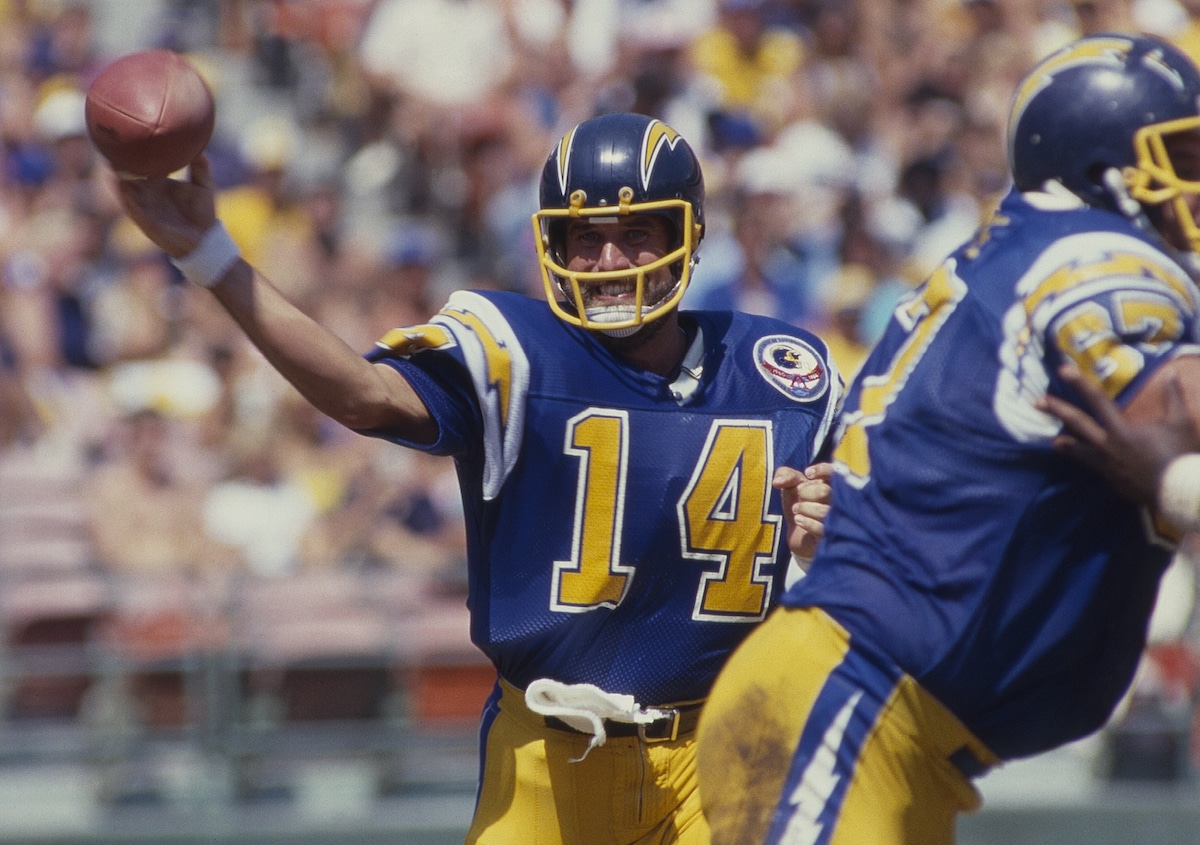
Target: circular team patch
point(792, 367)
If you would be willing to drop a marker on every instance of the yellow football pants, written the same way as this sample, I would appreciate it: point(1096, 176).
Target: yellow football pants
point(804, 739)
point(625, 792)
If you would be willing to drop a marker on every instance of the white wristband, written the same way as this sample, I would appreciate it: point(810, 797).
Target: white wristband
point(1179, 493)
point(208, 263)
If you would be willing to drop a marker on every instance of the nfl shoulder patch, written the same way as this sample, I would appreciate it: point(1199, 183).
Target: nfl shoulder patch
point(792, 367)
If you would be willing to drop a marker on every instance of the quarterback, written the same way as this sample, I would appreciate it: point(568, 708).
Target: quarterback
point(979, 596)
point(617, 460)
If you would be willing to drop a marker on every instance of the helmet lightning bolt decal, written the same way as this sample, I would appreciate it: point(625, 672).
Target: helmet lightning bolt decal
point(564, 160)
point(1155, 61)
point(657, 135)
point(1111, 51)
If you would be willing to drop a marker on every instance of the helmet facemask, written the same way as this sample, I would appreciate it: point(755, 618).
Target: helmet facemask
point(1154, 182)
point(648, 304)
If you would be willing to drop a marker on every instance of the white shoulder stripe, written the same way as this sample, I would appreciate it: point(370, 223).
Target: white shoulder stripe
point(500, 374)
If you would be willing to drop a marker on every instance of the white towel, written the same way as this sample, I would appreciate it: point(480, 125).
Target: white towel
point(585, 707)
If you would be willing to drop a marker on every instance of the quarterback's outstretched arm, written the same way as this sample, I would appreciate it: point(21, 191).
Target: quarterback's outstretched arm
point(337, 380)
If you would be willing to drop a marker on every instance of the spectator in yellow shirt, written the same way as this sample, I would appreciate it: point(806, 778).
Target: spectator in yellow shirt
point(748, 64)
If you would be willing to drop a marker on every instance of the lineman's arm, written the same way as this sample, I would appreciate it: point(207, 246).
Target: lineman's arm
point(337, 380)
point(1138, 449)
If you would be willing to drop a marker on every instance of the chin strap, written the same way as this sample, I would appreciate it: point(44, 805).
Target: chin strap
point(1126, 204)
point(687, 383)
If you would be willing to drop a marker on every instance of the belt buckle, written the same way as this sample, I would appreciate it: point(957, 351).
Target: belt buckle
point(669, 737)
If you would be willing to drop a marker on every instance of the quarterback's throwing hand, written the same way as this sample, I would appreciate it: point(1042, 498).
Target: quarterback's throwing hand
point(173, 213)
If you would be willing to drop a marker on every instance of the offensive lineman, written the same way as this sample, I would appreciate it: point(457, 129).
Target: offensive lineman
point(979, 597)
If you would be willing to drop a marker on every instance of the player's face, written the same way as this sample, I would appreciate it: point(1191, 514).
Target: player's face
point(1184, 149)
point(619, 243)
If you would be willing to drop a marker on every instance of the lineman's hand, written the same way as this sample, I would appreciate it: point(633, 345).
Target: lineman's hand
point(174, 214)
point(1131, 455)
point(806, 497)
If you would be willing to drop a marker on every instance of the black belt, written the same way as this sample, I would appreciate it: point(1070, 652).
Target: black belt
point(678, 721)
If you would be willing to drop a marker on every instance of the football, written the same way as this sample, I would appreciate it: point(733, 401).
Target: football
point(149, 113)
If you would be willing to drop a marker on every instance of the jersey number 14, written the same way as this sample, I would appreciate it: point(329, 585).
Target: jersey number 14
point(724, 518)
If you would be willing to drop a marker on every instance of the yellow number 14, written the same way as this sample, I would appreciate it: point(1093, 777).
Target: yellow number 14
point(724, 519)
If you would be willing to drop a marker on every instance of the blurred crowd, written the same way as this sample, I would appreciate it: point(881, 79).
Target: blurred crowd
point(374, 155)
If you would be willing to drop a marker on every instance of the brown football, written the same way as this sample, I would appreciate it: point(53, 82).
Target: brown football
point(149, 113)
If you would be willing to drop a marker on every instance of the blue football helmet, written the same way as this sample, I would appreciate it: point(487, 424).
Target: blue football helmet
point(1104, 103)
point(610, 166)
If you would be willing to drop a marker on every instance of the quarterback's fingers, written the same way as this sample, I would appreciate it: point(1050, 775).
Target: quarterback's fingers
point(786, 477)
point(814, 491)
point(822, 471)
point(811, 501)
point(804, 535)
point(200, 172)
point(805, 500)
point(811, 517)
point(786, 480)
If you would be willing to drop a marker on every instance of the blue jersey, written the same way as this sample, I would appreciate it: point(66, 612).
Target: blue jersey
point(1011, 582)
point(622, 529)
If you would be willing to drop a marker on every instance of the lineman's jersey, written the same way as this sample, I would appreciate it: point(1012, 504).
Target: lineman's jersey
point(1011, 583)
point(617, 536)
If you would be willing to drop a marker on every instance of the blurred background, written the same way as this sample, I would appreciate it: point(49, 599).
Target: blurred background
point(223, 618)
